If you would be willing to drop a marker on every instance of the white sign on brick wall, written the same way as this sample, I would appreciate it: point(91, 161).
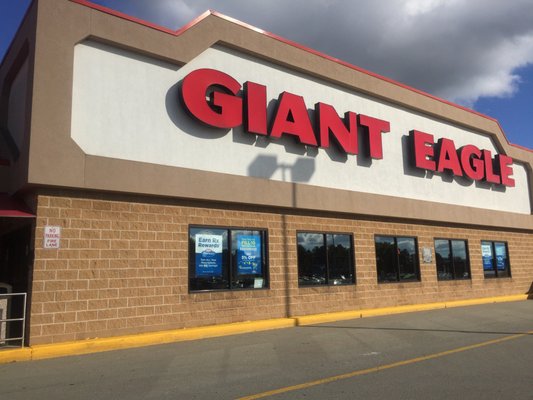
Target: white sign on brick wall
point(52, 237)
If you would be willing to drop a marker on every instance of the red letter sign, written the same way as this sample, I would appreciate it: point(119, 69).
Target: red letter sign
point(226, 109)
point(423, 146)
point(255, 108)
point(375, 128)
point(490, 176)
point(345, 133)
point(448, 157)
point(292, 118)
point(473, 165)
point(506, 170)
point(214, 98)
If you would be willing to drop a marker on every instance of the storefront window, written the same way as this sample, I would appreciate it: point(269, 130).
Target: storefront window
point(495, 259)
point(452, 259)
point(396, 259)
point(325, 259)
point(226, 259)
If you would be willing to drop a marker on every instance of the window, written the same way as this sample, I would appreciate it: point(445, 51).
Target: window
point(495, 259)
point(397, 259)
point(452, 259)
point(227, 259)
point(325, 259)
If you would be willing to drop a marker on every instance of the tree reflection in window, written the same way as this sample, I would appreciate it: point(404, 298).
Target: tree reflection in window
point(396, 259)
point(452, 259)
point(325, 259)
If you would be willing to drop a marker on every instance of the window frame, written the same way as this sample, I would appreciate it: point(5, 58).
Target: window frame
point(494, 264)
point(450, 248)
point(324, 238)
point(397, 262)
point(191, 261)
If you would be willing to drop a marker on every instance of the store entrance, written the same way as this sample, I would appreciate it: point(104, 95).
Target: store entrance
point(16, 260)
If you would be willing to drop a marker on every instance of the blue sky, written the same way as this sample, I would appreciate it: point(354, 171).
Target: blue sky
point(476, 54)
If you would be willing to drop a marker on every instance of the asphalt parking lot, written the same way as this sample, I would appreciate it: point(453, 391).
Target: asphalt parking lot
point(476, 352)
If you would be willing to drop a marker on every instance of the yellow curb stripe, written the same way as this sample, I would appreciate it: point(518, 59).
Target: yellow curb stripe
point(7, 356)
point(485, 300)
point(40, 352)
point(380, 368)
point(79, 347)
point(373, 312)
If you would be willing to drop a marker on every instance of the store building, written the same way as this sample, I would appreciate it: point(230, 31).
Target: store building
point(218, 174)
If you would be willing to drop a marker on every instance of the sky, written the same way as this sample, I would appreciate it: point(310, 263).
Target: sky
point(476, 53)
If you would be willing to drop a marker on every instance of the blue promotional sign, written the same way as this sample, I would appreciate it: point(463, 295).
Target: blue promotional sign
point(208, 255)
point(249, 254)
point(500, 257)
point(486, 254)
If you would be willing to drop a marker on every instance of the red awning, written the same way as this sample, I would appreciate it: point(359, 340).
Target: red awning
point(10, 207)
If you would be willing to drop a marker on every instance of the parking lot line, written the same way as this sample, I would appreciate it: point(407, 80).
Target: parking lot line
point(381, 367)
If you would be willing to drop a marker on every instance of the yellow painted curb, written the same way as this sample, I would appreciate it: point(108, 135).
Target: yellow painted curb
point(486, 300)
point(44, 351)
point(374, 312)
point(401, 309)
point(40, 352)
point(7, 356)
point(327, 317)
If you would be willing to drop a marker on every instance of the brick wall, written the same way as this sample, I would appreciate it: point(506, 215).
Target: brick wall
point(123, 267)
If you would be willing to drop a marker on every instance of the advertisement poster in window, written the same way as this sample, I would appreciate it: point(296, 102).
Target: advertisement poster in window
point(500, 257)
point(248, 254)
point(486, 254)
point(208, 255)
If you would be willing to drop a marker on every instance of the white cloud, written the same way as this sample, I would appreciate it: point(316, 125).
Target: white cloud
point(415, 8)
point(457, 49)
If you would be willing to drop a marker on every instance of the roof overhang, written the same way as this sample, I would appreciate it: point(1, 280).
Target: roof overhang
point(11, 207)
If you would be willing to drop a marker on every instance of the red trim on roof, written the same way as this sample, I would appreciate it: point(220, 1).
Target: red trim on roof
point(512, 144)
point(11, 207)
point(122, 15)
point(178, 32)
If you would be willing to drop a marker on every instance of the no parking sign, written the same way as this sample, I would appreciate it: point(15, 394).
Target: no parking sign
point(52, 237)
